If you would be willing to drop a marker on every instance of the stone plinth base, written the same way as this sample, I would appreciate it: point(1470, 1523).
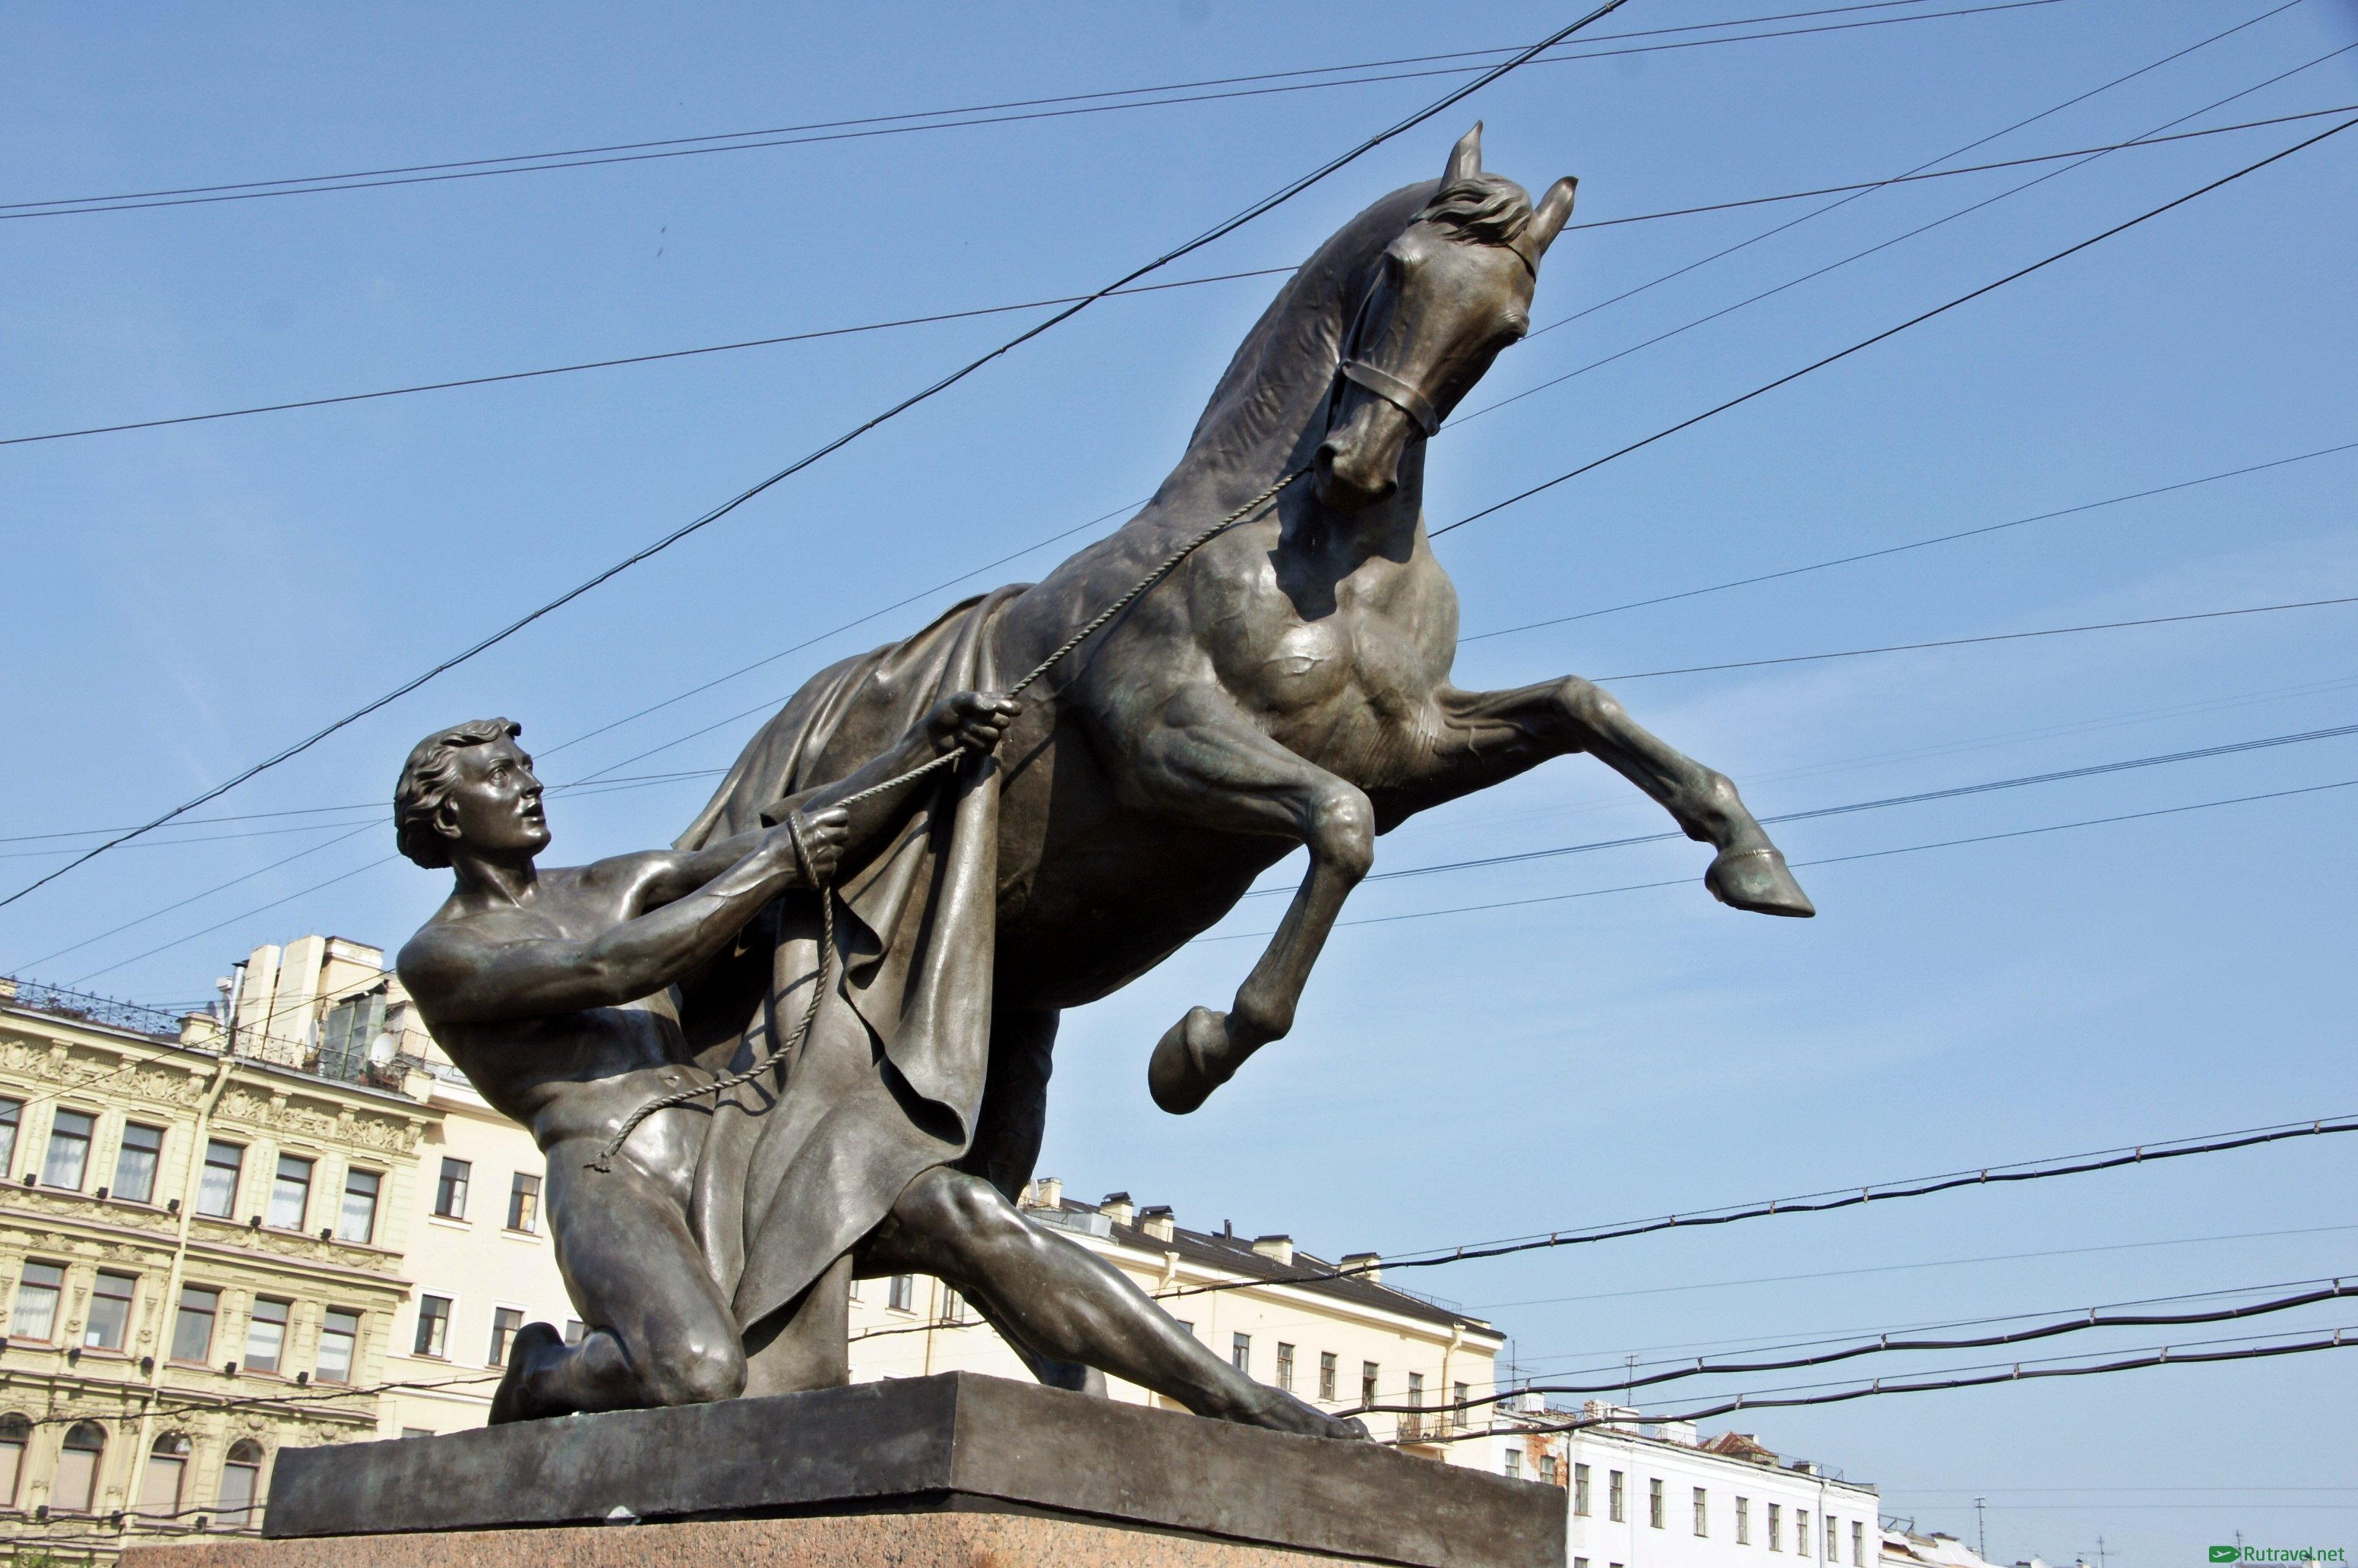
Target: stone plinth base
point(939, 1463)
point(879, 1541)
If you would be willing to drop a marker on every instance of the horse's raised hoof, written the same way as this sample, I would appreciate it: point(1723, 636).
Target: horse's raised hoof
point(1190, 1061)
point(1758, 880)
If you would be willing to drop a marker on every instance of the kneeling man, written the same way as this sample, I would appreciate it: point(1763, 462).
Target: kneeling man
point(546, 986)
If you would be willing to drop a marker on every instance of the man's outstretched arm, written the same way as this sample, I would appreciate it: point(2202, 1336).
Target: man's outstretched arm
point(461, 973)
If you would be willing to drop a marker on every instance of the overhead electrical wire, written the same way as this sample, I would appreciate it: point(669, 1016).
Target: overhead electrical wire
point(837, 130)
point(2162, 1356)
point(657, 357)
point(1892, 331)
point(1878, 553)
point(1881, 246)
point(1226, 226)
point(2094, 1319)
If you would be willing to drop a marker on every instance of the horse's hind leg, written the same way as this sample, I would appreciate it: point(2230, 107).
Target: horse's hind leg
point(1483, 738)
point(1205, 762)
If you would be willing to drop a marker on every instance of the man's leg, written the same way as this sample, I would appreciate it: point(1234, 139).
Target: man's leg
point(1059, 1300)
point(659, 1333)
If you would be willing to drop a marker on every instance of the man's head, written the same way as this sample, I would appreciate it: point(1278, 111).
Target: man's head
point(469, 787)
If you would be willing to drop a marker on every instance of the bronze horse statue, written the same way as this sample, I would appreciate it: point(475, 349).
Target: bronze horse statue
point(1288, 684)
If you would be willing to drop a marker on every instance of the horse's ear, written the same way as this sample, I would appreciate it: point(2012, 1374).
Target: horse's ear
point(1466, 157)
point(1547, 218)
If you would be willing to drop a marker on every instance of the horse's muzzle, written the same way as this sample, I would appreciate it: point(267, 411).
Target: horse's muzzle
point(1358, 462)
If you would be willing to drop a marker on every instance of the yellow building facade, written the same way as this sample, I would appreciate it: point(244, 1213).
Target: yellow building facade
point(292, 1221)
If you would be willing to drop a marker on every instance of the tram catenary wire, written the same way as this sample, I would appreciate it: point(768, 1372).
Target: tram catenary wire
point(835, 131)
point(2345, 1338)
point(1893, 332)
point(2094, 1319)
point(1218, 231)
point(858, 329)
point(1822, 270)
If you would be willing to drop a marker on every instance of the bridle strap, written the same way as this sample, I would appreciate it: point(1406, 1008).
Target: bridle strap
point(1394, 391)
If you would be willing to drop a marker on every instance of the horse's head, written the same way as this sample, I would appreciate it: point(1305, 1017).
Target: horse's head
point(1451, 291)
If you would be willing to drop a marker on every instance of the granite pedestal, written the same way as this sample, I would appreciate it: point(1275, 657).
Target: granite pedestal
point(889, 1464)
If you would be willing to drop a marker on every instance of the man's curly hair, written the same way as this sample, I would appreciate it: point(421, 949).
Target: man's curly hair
point(425, 785)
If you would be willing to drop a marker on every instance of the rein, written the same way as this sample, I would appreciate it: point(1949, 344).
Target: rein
point(605, 1159)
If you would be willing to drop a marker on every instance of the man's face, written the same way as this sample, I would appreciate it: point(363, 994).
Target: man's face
point(495, 804)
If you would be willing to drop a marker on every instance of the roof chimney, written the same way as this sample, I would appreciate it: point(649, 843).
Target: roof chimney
point(1051, 1194)
point(1280, 1248)
point(1117, 1209)
point(1156, 1220)
point(1367, 1266)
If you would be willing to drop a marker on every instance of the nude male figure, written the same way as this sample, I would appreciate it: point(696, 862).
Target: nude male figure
point(537, 983)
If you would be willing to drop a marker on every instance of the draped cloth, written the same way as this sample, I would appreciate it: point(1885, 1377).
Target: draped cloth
point(800, 1164)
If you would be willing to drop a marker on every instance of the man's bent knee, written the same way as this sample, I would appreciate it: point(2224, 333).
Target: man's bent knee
point(697, 1374)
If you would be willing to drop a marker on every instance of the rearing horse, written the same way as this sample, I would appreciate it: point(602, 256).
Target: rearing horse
point(1289, 683)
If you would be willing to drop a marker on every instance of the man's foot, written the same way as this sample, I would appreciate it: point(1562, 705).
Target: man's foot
point(535, 1345)
point(1756, 879)
point(1281, 1411)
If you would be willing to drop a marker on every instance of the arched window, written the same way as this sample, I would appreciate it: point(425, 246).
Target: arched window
point(15, 1431)
point(240, 1482)
point(78, 1461)
point(167, 1472)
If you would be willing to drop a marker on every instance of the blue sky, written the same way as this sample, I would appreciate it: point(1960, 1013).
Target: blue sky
point(187, 600)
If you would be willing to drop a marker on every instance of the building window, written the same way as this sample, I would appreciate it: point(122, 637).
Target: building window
point(1240, 1353)
point(357, 1222)
point(1185, 1327)
point(575, 1331)
point(346, 1034)
point(110, 1312)
point(1547, 1468)
point(134, 1164)
point(1368, 1382)
point(266, 1335)
point(69, 1153)
point(15, 1431)
point(1458, 1395)
point(1514, 1463)
point(1702, 1512)
point(193, 1327)
point(1415, 1391)
point(290, 1193)
point(1654, 1504)
point(1616, 1494)
point(1801, 1532)
point(505, 1321)
point(340, 1339)
point(1580, 1563)
point(37, 1301)
point(451, 1191)
point(168, 1469)
point(240, 1482)
point(433, 1326)
point(1580, 1490)
point(12, 1117)
point(1285, 1366)
point(1744, 1522)
point(217, 1190)
point(1776, 1526)
point(524, 1203)
point(900, 1292)
point(1327, 1375)
point(1833, 1544)
point(1859, 1543)
point(76, 1486)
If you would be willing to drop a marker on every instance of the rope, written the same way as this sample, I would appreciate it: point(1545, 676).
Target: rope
point(605, 1159)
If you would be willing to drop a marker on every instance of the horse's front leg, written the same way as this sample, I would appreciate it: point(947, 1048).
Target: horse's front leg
point(1207, 765)
point(1478, 738)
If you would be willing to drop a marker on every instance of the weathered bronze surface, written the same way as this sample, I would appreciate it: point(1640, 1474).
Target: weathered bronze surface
point(1287, 684)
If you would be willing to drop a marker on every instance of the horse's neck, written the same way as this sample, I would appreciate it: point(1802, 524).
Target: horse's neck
point(1269, 412)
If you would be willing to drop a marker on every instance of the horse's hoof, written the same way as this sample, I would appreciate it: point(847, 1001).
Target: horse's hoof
point(1757, 880)
point(1187, 1065)
point(534, 1343)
